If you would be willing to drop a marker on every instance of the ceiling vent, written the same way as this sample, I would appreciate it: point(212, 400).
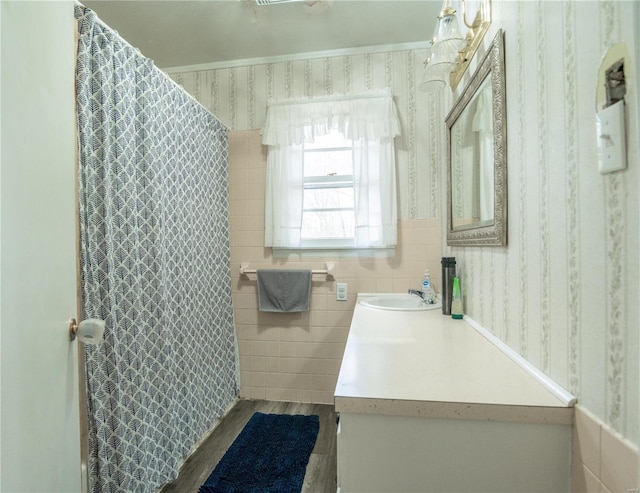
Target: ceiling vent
point(271, 2)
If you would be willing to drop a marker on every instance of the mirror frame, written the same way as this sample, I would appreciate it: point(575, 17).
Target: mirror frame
point(492, 65)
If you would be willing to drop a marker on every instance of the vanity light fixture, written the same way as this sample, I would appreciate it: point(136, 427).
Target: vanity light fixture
point(449, 52)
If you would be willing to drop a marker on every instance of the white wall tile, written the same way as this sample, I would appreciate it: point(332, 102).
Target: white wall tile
point(619, 462)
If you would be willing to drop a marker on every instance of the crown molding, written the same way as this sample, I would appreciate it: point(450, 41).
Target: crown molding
point(417, 45)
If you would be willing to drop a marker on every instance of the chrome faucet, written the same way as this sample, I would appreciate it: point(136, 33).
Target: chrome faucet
point(417, 292)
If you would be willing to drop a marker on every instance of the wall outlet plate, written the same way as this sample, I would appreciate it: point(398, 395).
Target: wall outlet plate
point(612, 149)
point(341, 291)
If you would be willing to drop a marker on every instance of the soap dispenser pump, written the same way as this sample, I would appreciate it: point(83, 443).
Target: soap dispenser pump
point(456, 301)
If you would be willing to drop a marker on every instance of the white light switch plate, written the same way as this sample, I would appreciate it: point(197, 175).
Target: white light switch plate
point(612, 151)
point(341, 291)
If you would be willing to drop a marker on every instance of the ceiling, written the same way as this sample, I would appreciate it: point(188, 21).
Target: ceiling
point(189, 32)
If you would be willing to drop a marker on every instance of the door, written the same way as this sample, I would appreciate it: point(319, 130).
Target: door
point(40, 432)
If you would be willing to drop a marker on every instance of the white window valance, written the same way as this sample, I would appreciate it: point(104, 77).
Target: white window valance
point(367, 116)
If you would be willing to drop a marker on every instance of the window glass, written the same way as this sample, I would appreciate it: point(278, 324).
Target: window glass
point(328, 224)
point(328, 162)
point(328, 200)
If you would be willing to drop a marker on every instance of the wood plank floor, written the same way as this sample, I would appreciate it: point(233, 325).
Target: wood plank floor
point(321, 470)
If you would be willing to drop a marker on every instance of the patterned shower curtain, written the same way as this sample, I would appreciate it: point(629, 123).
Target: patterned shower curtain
point(155, 264)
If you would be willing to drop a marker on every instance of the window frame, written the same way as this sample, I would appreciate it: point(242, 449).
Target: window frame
point(330, 181)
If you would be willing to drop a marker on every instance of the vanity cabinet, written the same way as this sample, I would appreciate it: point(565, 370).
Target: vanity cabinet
point(429, 404)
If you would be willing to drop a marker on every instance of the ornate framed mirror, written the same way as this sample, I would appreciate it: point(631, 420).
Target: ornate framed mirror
point(477, 156)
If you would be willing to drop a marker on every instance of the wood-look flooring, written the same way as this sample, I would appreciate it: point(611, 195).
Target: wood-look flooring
point(321, 470)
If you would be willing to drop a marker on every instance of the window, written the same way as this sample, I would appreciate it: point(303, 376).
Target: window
point(328, 204)
point(331, 173)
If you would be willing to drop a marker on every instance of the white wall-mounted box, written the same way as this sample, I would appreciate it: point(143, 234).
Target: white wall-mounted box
point(612, 149)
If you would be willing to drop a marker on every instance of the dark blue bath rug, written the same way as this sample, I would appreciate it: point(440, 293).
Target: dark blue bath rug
point(270, 455)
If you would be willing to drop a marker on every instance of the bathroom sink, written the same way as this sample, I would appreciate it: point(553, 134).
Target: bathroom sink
point(398, 302)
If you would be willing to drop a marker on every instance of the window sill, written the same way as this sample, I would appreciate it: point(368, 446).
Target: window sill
point(311, 252)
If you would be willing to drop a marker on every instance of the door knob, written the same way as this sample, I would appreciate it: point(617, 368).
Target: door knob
point(89, 331)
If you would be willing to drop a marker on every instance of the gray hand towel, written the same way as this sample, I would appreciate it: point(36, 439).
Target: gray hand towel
point(284, 290)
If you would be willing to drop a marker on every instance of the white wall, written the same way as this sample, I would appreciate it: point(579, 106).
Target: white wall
point(39, 390)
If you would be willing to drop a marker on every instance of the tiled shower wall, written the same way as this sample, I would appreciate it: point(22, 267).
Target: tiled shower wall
point(296, 356)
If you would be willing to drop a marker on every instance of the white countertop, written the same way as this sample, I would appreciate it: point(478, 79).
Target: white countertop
point(422, 363)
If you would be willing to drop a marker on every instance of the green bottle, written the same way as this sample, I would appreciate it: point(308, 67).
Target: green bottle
point(456, 301)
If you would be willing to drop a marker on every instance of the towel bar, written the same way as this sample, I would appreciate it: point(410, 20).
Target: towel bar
point(328, 271)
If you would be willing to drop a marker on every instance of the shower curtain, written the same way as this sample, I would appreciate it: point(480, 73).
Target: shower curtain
point(155, 264)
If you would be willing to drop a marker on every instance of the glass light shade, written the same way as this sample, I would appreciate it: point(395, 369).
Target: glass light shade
point(439, 67)
point(430, 81)
point(435, 74)
point(448, 38)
